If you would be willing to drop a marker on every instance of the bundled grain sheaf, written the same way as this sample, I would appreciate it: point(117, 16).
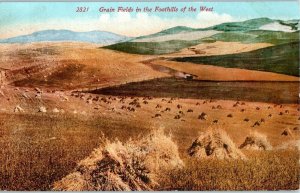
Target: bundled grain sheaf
point(124, 166)
point(256, 141)
point(215, 143)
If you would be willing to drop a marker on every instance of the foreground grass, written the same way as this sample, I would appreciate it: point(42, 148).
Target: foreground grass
point(37, 150)
point(273, 170)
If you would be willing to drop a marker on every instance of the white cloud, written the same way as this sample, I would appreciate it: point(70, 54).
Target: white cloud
point(143, 24)
point(211, 18)
point(121, 23)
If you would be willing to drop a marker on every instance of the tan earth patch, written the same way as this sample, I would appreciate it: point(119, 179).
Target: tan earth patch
point(219, 48)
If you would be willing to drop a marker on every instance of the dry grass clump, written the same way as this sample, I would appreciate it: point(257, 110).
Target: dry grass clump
point(215, 143)
point(117, 166)
point(263, 170)
point(256, 141)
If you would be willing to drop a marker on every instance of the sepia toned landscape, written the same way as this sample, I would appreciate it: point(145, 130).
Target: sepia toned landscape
point(214, 108)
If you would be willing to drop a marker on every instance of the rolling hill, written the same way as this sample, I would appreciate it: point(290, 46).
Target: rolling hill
point(180, 37)
point(98, 37)
point(283, 58)
point(152, 48)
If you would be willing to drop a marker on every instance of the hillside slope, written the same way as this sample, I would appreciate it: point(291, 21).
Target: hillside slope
point(282, 59)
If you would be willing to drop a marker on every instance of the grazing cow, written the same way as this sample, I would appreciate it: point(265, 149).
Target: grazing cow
point(215, 121)
point(180, 112)
point(197, 104)
point(138, 105)
point(243, 103)
point(257, 108)
point(256, 124)
point(123, 107)
point(229, 115)
point(179, 106)
point(169, 101)
point(132, 109)
point(145, 102)
point(219, 107)
point(235, 105)
point(281, 113)
point(269, 107)
point(270, 115)
point(246, 119)
point(204, 102)
point(295, 128)
point(286, 111)
point(262, 120)
point(190, 110)
point(177, 117)
point(280, 106)
point(213, 107)
point(243, 110)
point(163, 100)
point(167, 109)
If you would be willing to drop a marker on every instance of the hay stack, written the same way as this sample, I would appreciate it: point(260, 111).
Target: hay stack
point(55, 110)
point(18, 109)
point(256, 141)
point(42, 109)
point(124, 167)
point(287, 132)
point(215, 143)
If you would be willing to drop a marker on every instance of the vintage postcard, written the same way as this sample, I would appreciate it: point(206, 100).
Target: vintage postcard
point(138, 96)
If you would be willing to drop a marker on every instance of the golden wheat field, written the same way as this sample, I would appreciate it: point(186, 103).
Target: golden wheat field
point(77, 117)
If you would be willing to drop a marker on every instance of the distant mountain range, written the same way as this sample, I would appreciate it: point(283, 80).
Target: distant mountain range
point(98, 37)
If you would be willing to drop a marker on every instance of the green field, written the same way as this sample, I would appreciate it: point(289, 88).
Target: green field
point(257, 36)
point(283, 59)
point(242, 26)
point(152, 48)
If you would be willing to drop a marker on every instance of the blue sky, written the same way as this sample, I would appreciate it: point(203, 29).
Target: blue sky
point(26, 17)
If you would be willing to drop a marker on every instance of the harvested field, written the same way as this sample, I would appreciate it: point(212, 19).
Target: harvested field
point(51, 133)
point(272, 92)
